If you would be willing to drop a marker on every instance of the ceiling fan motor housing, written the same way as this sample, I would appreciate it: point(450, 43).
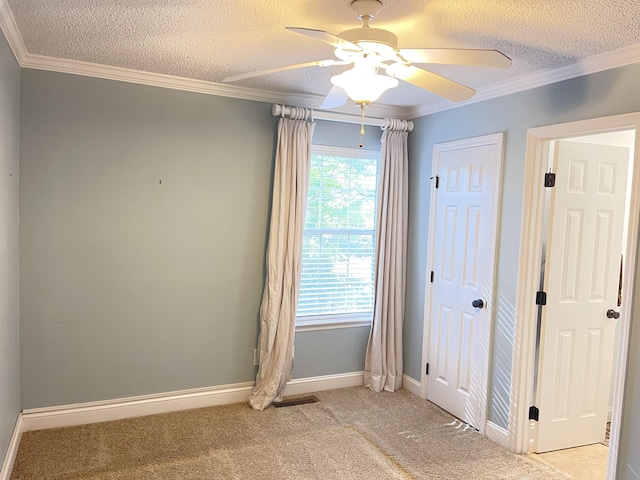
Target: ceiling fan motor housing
point(372, 40)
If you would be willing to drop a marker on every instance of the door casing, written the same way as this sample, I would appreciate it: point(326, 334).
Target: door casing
point(522, 378)
point(485, 140)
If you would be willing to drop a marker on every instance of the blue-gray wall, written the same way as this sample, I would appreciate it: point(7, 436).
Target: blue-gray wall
point(9, 251)
point(629, 459)
point(144, 221)
point(602, 94)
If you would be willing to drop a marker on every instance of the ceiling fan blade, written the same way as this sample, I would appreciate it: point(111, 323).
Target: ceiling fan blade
point(326, 37)
point(335, 98)
point(437, 84)
point(453, 56)
point(257, 73)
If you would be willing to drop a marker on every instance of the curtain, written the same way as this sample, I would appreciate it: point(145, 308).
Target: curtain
point(284, 258)
point(383, 361)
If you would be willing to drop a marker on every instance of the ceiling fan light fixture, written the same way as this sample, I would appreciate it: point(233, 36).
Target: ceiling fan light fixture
point(370, 49)
point(347, 55)
point(362, 88)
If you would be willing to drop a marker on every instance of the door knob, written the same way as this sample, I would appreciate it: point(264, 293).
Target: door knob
point(611, 313)
point(479, 303)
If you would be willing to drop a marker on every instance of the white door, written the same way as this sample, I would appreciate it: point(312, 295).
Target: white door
point(463, 266)
point(582, 275)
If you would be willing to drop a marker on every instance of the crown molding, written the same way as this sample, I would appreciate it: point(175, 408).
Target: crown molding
point(88, 69)
point(9, 27)
point(585, 66)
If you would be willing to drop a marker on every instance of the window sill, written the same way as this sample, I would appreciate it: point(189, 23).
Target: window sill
point(333, 324)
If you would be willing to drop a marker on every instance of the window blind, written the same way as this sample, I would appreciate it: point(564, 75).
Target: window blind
point(338, 249)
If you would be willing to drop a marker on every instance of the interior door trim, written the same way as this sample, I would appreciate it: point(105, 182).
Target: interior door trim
point(537, 152)
point(496, 139)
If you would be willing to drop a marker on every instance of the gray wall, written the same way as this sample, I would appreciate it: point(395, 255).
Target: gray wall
point(132, 286)
point(143, 229)
point(9, 252)
point(629, 459)
point(602, 94)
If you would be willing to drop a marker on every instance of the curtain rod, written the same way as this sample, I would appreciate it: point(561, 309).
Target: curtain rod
point(283, 110)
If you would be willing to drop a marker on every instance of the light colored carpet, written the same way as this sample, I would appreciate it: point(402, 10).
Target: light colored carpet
point(350, 434)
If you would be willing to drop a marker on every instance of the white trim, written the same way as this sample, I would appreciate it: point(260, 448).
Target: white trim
point(117, 409)
point(12, 451)
point(87, 69)
point(12, 34)
point(529, 274)
point(348, 152)
point(411, 385)
point(327, 382)
point(93, 412)
point(528, 280)
point(585, 66)
point(426, 314)
point(497, 434)
point(610, 414)
point(316, 326)
point(496, 139)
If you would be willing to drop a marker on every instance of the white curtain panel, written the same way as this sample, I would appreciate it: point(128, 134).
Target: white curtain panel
point(284, 258)
point(383, 361)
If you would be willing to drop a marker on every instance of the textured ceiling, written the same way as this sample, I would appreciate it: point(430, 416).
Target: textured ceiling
point(211, 39)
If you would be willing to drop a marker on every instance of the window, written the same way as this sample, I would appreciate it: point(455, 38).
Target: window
point(338, 249)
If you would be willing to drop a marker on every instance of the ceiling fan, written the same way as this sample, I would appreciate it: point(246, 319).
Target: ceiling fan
point(371, 50)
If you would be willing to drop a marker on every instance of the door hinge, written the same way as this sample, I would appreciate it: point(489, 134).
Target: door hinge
point(549, 180)
point(426, 371)
point(431, 276)
point(437, 180)
point(541, 298)
point(534, 413)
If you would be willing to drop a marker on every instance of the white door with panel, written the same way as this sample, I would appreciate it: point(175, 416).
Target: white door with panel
point(582, 278)
point(464, 220)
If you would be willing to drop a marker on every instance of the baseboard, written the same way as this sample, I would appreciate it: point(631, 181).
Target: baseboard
point(328, 382)
point(12, 451)
point(412, 386)
point(497, 434)
point(81, 414)
point(118, 409)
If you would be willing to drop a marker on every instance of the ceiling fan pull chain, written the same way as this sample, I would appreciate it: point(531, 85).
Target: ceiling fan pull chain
point(362, 124)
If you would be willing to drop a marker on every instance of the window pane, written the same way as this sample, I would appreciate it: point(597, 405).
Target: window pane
point(339, 237)
point(342, 193)
point(337, 274)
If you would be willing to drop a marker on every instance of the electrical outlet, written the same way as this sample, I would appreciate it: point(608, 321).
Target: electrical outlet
point(256, 359)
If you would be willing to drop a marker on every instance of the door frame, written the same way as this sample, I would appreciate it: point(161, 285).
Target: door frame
point(481, 141)
point(522, 377)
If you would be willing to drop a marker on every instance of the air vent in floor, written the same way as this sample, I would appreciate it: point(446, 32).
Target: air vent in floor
point(296, 401)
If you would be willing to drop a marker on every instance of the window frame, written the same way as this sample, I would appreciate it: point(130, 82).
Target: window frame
point(342, 320)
